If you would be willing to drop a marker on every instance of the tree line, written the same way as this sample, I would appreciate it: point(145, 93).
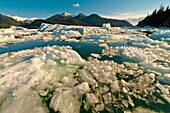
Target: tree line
point(158, 18)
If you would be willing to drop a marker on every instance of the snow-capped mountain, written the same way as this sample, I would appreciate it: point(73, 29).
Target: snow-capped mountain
point(66, 14)
point(23, 19)
point(64, 18)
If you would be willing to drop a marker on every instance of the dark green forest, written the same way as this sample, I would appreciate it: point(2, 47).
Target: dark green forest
point(158, 18)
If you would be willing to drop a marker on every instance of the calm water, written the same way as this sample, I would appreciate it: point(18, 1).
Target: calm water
point(83, 48)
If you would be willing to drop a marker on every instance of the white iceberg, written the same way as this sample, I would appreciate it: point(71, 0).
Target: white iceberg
point(106, 25)
point(26, 70)
point(136, 54)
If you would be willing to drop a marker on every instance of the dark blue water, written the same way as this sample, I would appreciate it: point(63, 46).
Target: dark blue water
point(84, 49)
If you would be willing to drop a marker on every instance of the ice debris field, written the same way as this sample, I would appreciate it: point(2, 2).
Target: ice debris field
point(77, 69)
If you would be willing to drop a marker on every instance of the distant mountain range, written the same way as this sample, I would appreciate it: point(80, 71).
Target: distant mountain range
point(6, 22)
point(65, 18)
point(24, 20)
point(158, 18)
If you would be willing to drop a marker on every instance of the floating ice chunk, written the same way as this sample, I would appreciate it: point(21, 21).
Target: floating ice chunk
point(99, 107)
point(71, 33)
point(162, 88)
point(92, 98)
point(142, 110)
point(51, 28)
point(67, 56)
point(23, 101)
point(107, 68)
point(103, 45)
point(44, 26)
point(66, 102)
point(165, 78)
point(159, 35)
point(22, 75)
point(83, 87)
point(84, 31)
point(165, 46)
point(17, 28)
point(141, 39)
point(136, 54)
point(142, 45)
point(106, 25)
point(7, 38)
point(115, 86)
point(156, 67)
point(62, 37)
point(95, 55)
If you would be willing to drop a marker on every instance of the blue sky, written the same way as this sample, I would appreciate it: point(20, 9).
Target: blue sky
point(119, 9)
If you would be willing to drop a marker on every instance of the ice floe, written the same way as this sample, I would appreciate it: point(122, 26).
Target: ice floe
point(57, 79)
point(136, 54)
point(20, 74)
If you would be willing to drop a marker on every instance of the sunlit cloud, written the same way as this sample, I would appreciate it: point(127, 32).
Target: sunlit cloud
point(133, 18)
point(76, 5)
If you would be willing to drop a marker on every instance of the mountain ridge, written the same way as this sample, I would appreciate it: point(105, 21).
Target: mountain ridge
point(66, 19)
point(6, 22)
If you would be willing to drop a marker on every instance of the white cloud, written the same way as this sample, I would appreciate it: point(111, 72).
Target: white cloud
point(135, 21)
point(76, 5)
point(133, 17)
point(18, 18)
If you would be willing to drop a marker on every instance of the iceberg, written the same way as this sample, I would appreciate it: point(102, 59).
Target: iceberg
point(106, 25)
point(136, 54)
point(160, 35)
point(25, 71)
